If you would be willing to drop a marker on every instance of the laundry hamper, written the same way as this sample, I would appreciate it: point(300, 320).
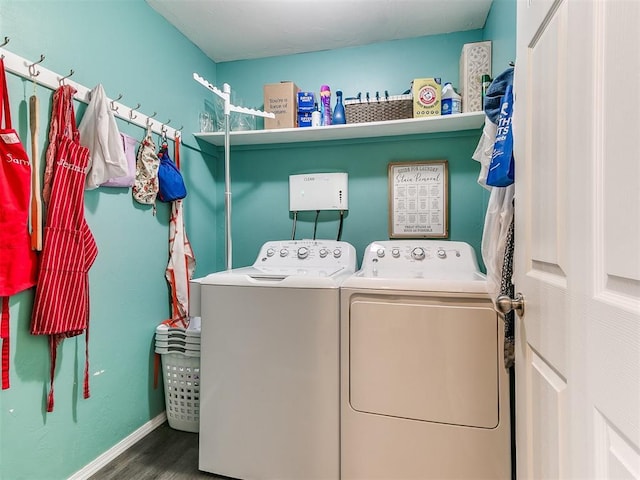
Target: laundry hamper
point(179, 350)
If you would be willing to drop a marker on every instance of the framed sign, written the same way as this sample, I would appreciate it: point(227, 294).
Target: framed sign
point(419, 199)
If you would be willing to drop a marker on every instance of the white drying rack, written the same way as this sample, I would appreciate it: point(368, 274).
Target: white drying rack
point(225, 95)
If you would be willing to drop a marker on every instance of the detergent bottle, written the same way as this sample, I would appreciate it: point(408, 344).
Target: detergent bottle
point(338, 112)
point(316, 116)
point(451, 101)
point(325, 102)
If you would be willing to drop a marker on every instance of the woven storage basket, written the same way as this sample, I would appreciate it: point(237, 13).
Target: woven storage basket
point(395, 107)
point(181, 375)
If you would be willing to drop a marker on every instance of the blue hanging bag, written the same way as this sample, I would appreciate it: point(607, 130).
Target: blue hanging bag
point(501, 169)
point(170, 182)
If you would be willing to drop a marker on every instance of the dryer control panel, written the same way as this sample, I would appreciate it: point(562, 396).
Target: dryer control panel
point(307, 254)
point(440, 259)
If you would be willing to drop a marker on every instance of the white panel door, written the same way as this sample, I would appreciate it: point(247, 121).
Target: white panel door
point(577, 258)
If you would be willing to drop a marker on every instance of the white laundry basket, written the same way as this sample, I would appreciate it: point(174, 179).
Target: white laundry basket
point(181, 375)
point(179, 349)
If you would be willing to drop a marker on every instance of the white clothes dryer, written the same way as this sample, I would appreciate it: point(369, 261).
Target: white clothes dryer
point(424, 391)
point(269, 394)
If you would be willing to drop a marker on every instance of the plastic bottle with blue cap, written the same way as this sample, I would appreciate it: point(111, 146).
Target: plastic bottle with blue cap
point(451, 101)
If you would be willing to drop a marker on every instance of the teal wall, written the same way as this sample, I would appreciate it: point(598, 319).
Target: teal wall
point(500, 28)
point(260, 189)
point(260, 175)
point(384, 66)
point(131, 50)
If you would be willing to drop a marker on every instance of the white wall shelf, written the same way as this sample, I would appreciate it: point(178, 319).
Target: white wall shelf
point(410, 126)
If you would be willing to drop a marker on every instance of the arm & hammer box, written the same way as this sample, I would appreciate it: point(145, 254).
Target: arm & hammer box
point(426, 97)
point(280, 99)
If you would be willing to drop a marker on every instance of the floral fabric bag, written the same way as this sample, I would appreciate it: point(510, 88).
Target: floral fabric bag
point(145, 188)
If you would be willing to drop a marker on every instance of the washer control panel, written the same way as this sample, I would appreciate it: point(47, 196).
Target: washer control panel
point(419, 259)
point(306, 253)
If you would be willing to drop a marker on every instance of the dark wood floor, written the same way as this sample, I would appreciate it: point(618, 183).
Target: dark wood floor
point(164, 454)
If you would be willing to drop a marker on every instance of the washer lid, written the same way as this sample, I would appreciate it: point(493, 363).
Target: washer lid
point(278, 277)
point(280, 273)
point(292, 263)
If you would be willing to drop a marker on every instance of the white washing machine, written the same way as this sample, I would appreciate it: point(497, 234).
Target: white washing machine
point(424, 391)
point(269, 395)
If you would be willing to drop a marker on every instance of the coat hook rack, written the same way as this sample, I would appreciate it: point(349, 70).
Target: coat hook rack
point(62, 79)
point(114, 107)
point(132, 115)
point(40, 75)
point(32, 67)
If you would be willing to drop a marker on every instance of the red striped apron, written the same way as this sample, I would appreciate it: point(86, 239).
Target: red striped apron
point(17, 260)
point(61, 306)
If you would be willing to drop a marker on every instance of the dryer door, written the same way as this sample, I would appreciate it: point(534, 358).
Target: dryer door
point(429, 359)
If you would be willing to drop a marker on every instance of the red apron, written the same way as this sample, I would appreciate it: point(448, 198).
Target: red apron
point(17, 260)
point(61, 306)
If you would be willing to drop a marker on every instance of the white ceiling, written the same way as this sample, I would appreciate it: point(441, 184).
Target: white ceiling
point(227, 30)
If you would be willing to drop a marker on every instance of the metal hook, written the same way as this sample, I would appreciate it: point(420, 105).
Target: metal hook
point(6, 40)
point(163, 130)
point(131, 114)
point(62, 79)
point(150, 117)
point(113, 106)
point(163, 127)
point(32, 68)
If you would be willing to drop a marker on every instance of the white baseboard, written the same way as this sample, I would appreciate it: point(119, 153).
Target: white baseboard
point(118, 448)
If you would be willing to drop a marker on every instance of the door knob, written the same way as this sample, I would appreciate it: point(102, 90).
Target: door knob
point(504, 304)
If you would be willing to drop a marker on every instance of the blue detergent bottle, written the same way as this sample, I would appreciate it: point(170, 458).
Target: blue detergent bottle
point(338, 112)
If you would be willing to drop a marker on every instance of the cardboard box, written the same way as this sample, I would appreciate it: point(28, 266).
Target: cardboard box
point(475, 61)
point(280, 99)
point(426, 97)
point(306, 101)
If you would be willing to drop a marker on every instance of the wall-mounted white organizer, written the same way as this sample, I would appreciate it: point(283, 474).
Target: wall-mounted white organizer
point(34, 71)
point(225, 95)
